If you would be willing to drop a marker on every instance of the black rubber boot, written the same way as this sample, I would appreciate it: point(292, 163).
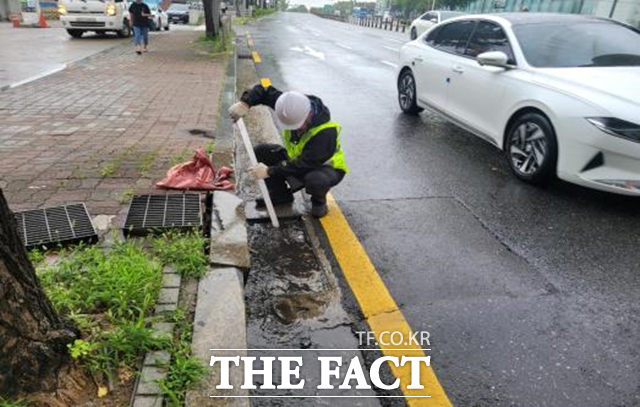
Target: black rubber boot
point(275, 200)
point(319, 210)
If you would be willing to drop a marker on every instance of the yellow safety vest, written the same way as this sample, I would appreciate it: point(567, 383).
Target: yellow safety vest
point(294, 151)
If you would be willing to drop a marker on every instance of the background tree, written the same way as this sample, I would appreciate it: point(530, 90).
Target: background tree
point(33, 339)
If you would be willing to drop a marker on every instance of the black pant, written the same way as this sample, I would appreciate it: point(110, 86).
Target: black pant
point(316, 182)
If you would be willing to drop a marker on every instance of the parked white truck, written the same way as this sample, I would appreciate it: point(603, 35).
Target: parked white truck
point(80, 16)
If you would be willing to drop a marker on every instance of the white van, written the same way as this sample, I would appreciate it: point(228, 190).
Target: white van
point(80, 16)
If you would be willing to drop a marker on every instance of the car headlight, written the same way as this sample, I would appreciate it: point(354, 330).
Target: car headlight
point(62, 10)
point(617, 127)
point(110, 10)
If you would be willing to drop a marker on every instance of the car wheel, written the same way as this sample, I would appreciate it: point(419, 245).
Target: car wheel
point(407, 93)
point(532, 149)
point(167, 27)
point(414, 33)
point(126, 30)
point(75, 33)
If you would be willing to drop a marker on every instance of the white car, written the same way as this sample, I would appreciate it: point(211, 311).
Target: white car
point(100, 16)
point(428, 20)
point(160, 17)
point(559, 94)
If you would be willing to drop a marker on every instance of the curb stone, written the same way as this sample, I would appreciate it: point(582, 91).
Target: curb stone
point(146, 392)
point(220, 321)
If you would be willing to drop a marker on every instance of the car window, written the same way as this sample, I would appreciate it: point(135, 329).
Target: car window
point(489, 37)
point(453, 37)
point(428, 16)
point(579, 44)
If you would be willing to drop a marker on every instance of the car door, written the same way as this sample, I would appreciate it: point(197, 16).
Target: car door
point(477, 93)
point(442, 45)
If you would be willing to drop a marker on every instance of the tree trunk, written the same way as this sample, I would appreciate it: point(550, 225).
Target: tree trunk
point(209, 19)
point(33, 339)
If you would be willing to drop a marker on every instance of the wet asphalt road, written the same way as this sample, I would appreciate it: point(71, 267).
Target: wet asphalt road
point(531, 296)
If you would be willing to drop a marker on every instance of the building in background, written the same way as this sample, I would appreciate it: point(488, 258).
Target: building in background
point(627, 11)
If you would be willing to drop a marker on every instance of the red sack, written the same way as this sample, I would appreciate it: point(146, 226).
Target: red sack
point(198, 173)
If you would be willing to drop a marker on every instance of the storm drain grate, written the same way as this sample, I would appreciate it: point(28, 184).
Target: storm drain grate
point(156, 213)
point(245, 56)
point(66, 224)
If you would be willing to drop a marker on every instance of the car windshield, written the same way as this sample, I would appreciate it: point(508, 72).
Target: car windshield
point(178, 7)
point(582, 44)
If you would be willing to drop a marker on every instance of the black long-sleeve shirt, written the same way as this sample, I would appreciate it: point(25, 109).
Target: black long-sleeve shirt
point(317, 151)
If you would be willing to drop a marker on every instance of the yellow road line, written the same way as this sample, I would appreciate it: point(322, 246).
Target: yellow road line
point(378, 306)
point(266, 82)
point(256, 57)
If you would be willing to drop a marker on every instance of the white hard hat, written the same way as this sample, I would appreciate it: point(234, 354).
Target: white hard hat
point(292, 109)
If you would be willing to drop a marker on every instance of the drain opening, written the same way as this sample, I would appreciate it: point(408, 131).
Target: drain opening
point(245, 56)
point(58, 225)
point(158, 213)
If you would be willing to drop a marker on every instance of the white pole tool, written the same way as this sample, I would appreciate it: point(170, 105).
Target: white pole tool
point(263, 187)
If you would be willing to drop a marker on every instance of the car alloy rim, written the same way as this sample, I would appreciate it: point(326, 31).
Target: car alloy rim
point(407, 91)
point(528, 148)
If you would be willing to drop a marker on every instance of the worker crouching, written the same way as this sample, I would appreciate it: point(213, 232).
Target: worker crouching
point(311, 158)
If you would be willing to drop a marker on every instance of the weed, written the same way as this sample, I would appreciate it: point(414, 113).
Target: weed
point(182, 157)
point(12, 403)
point(146, 164)
point(36, 257)
point(209, 147)
point(183, 251)
point(126, 196)
point(185, 371)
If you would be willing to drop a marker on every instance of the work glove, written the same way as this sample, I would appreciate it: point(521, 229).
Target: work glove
point(238, 110)
point(259, 171)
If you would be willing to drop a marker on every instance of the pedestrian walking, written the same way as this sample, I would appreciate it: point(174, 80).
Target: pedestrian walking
point(139, 14)
point(311, 158)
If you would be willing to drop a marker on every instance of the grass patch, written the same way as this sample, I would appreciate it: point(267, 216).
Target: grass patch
point(126, 195)
point(108, 296)
point(263, 12)
point(146, 164)
point(12, 403)
point(184, 156)
point(185, 371)
point(183, 251)
point(220, 44)
point(240, 20)
point(209, 147)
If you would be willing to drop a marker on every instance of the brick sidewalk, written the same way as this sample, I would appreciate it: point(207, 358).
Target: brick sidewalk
point(109, 126)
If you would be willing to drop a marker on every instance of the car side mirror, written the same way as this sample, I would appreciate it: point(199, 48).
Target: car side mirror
point(494, 58)
point(434, 20)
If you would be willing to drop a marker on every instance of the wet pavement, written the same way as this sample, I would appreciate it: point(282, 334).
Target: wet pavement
point(530, 294)
point(295, 305)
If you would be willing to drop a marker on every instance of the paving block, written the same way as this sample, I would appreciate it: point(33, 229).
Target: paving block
point(219, 324)
point(147, 401)
point(169, 270)
point(149, 377)
point(229, 242)
point(169, 296)
point(162, 329)
point(171, 280)
point(161, 308)
point(157, 358)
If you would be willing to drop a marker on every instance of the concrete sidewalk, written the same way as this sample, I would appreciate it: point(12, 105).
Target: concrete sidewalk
point(109, 126)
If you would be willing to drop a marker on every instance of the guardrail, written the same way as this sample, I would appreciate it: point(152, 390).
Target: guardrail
point(398, 25)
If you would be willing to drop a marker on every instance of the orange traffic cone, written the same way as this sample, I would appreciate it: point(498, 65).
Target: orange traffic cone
point(42, 22)
point(15, 20)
